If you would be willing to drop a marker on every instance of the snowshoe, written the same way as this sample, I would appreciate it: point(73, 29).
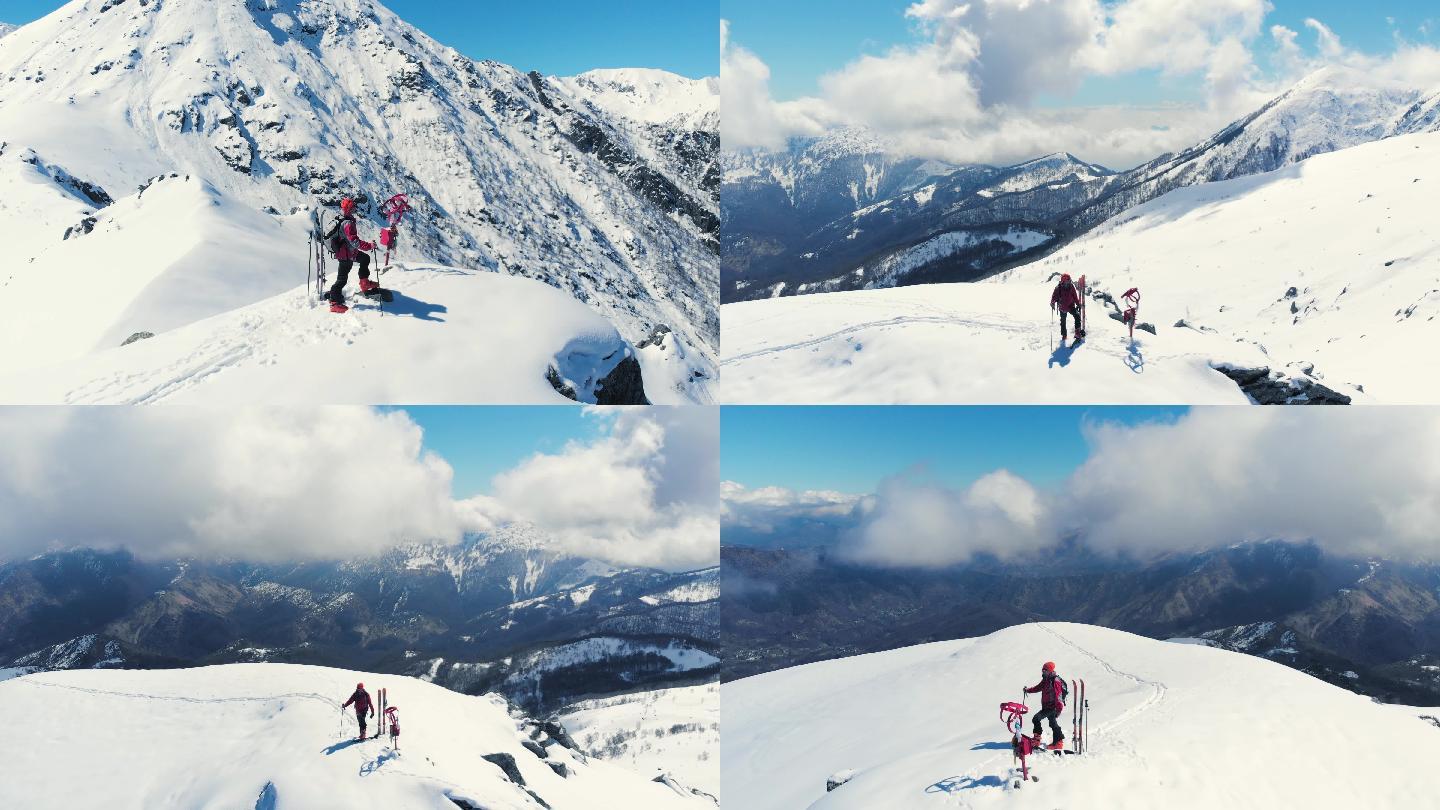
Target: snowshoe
point(378, 293)
point(337, 307)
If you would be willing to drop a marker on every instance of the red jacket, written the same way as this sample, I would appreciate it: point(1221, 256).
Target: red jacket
point(1066, 297)
point(1050, 692)
point(361, 699)
point(353, 243)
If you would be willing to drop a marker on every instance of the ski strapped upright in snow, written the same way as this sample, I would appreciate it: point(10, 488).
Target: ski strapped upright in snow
point(1079, 718)
point(1080, 331)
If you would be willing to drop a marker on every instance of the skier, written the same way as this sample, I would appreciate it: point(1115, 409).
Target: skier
point(349, 248)
point(1065, 298)
point(1053, 691)
point(361, 699)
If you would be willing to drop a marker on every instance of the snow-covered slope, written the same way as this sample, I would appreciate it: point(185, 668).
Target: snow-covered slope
point(268, 109)
point(1324, 272)
point(450, 336)
point(272, 736)
point(1172, 725)
point(674, 731)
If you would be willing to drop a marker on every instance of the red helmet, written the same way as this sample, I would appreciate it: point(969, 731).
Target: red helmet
point(1049, 667)
point(1063, 276)
point(347, 206)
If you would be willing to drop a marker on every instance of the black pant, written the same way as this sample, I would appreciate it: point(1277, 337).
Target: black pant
point(1048, 714)
point(360, 718)
point(1073, 312)
point(342, 275)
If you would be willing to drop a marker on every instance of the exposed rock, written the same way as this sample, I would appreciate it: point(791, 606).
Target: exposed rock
point(839, 778)
point(559, 769)
point(1267, 388)
point(536, 748)
point(624, 385)
point(138, 336)
point(506, 763)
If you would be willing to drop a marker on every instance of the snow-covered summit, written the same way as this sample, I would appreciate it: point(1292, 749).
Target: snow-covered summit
point(651, 96)
point(278, 106)
point(1172, 725)
point(272, 736)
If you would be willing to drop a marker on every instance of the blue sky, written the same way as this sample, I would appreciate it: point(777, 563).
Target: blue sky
point(851, 449)
point(802, 39)
point(561, 37)
point(479, 442)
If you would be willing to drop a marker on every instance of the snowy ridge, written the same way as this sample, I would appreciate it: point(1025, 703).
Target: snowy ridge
point(287, 744)
point(1165, 719)
point(274, 107)
point(1318, 275)
point(651, 96)
point(286, 350)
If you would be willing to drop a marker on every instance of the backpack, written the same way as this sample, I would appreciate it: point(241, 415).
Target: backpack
point(335, 238)
point(1064, 689)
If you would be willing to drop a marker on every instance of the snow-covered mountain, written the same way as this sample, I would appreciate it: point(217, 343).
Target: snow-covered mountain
point(674, 731)
point(952, 226)
point(499, 612)
point(1371, 626)
point(1314, 282)
point(7, 28)
point(1172, 725)
point(271, 736)
point(253, 112)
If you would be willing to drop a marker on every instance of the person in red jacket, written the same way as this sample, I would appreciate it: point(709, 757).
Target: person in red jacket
point(363, 706)
point(349, 249)
point(1052, 689)
point(1067, 299)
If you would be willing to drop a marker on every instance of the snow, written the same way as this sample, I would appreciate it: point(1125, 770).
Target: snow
point(283, 741)
point(490, 341)
point(891, 269)
point(690, 592)
point(650, 96)
point(682, 658)
point(265, 110)
point(674, 731)
point(1348, 230)
point(6, 673)
point(1173, 725)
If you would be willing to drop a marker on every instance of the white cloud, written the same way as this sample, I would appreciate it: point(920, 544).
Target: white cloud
point(913, 523)
point(764, 510)
point(965, 91)
point(344, 482)
point(1351, 480)
point(645, 493)
point(1356, 482)
point(247, 483)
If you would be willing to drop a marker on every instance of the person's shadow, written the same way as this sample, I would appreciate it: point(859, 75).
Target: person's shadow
point(340, 746)
point(955, 784)
point(402, 304)
point(1061, 356)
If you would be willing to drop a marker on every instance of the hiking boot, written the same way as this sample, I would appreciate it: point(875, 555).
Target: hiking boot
point(337, 307)
point(1057, 745)
point(366, 285)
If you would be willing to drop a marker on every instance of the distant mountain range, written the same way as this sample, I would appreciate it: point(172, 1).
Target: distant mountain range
point(1371, 626)
point(844, 212)
point(499, 612)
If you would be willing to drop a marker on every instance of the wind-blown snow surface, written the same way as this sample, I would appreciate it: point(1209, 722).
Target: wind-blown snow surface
point(1348, 231)
point(675, 731)
point(450, 336)
point(266, 109)
point(272, 736)
point(1172, 725)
